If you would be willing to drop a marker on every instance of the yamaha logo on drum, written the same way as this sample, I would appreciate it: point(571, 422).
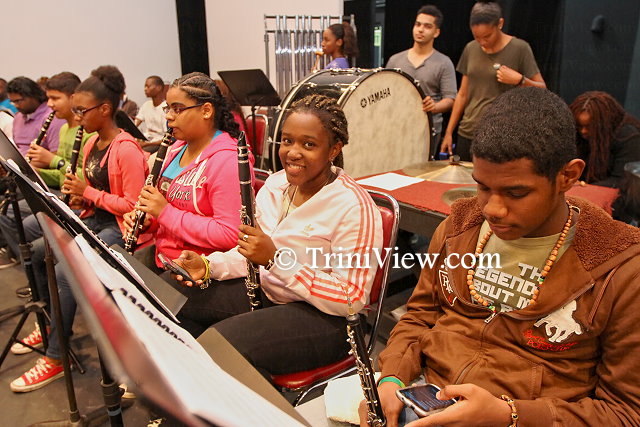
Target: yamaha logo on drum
point(375, 97)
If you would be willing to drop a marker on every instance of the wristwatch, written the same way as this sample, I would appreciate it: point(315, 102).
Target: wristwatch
point(522, 80)
point(61, 163)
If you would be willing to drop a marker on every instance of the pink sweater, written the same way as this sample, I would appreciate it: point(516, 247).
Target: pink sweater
point(127, 173)
point(203, 213)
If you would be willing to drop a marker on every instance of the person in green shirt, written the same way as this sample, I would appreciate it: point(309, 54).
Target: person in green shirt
point(53, 166)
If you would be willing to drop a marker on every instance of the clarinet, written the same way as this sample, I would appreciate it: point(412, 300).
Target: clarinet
point(131, 239)
point(43, 131)
point(247, 216)
point(364, 366)
point(74, 158)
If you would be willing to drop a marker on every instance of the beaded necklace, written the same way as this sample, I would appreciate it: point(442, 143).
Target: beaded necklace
point(553, 256)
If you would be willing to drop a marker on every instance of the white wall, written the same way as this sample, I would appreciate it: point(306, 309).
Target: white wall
point(42, 38)
point(235, 29)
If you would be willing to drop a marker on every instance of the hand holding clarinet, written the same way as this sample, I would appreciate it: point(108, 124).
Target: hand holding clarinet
point(43, 133)
point(151, 201)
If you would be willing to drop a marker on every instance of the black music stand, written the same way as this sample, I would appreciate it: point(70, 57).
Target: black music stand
point(251, 88)
point(8, 150)
point(47, 204)
point(126, 355)
point(123, 121)
point(163, 296)
point(110, 389)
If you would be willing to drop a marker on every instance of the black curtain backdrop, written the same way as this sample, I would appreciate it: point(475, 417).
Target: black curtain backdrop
point(362, 10)
point(192, 32)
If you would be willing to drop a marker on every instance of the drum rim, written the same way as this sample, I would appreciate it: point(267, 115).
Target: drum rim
point(365, 73)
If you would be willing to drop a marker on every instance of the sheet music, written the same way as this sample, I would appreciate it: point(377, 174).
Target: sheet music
point(126, 265)
point(33, 178)
point(389, 181)
point(205, 389)
point(111, 278)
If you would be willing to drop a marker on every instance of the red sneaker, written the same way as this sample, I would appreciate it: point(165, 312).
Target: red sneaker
point(34, 339)
point(37, 377)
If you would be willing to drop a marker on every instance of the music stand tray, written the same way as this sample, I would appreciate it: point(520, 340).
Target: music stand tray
point(253, 88)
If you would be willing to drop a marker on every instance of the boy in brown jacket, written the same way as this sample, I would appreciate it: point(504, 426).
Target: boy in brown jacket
point(550, 337)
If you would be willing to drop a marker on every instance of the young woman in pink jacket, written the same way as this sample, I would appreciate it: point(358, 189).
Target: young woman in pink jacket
point(196, 202)
point(115, 170)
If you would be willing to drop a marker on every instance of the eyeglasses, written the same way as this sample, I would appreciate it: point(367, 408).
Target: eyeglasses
point(178, 110)
point(17, 101)
point(80, 112)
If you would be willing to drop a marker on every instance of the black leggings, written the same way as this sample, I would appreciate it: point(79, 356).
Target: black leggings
point(277, 339)
point(463, 148)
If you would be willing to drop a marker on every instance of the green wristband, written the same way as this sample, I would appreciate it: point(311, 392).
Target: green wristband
point(394, 380)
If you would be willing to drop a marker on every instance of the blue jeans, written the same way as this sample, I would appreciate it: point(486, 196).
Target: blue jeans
point(111, 234)
point(9, 229)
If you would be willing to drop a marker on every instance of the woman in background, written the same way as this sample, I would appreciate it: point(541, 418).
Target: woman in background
point(607, 137)
point(339, 42)
point(491, 64)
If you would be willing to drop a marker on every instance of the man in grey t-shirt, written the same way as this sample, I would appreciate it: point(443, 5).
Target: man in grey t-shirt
point(432, 69)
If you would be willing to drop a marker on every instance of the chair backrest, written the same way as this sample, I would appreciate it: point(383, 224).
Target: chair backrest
point(390, 212)
point(261, 177)
point(261, 133)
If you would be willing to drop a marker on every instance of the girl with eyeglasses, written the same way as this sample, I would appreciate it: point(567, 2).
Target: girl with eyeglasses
point(115, 169)
point(196, 202)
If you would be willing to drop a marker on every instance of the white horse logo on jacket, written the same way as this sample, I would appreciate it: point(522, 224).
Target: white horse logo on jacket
point(562, 320)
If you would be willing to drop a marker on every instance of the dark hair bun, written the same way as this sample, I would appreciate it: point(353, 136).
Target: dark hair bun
point(111, 77)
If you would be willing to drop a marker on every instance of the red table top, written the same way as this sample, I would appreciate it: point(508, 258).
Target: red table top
point(427, 195)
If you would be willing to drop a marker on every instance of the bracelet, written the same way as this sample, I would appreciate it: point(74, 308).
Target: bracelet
point(269, 265)
point(522, 81)
point(207, 273)
point(391, 379)
point(514, 411)
point(271, 262)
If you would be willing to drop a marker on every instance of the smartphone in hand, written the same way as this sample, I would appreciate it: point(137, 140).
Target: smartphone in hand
point(175, 268)
point(422, 399)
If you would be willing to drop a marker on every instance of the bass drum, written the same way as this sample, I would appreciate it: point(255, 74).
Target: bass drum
point(387, 128)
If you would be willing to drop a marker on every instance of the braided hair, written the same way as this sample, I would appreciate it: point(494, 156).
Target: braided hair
point(330, 115)
point(607, 117)
point(201, 88)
